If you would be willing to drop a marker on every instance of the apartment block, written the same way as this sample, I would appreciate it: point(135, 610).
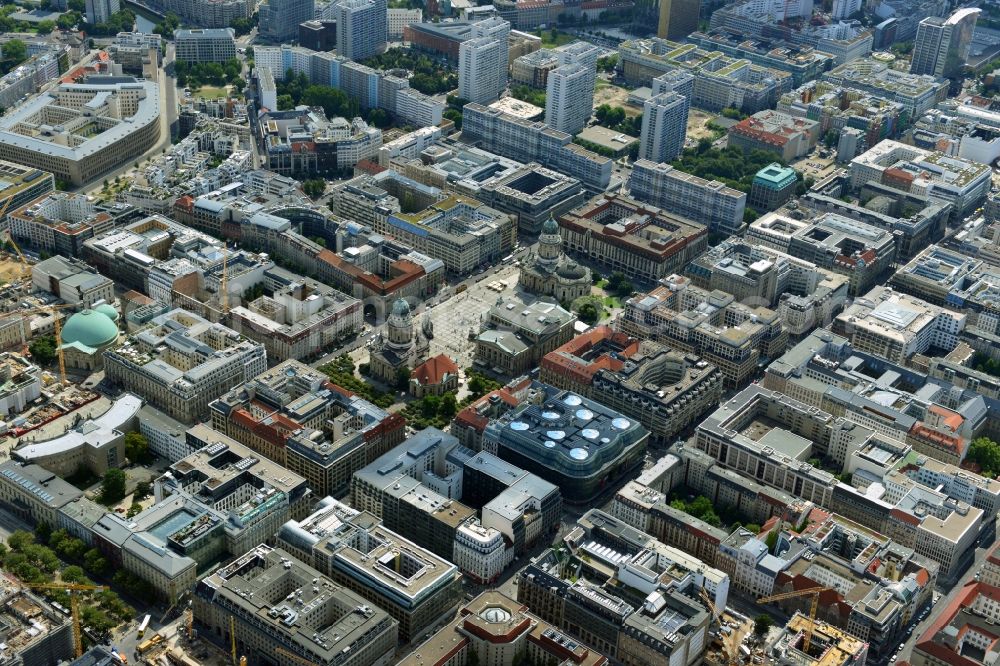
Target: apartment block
point(711, 203)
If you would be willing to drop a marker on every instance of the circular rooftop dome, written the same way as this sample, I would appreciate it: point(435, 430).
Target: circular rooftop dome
point(401, 308)
point(550, 226)
point(495, 614)
point(107, 309)
point(91, 328)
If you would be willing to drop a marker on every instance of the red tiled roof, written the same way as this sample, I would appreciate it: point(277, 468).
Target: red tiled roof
point(434, 370)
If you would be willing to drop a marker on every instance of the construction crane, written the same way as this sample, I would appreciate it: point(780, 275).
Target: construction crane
point(50, 309)
point(224, 283)
point(292, 655)
point(74, 605)
point(731, 642)
point(811, 624)
point(9, 239)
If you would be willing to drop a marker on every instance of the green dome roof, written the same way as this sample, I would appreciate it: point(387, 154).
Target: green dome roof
point(107, 309)
point(550, 226)
point(91, 328)
point(401, 308)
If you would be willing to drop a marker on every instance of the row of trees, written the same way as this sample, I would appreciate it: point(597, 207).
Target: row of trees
point(529, 94)
point(120, 21)
point(728, 165)
point(296, 89)
point(341, 372)
point(39, 557)
point(614, 118)
point(985, 453)
point(428, 76)
point(197, 74)
point(431, 411)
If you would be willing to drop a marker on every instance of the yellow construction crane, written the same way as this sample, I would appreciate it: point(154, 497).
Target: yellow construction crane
point(731, 642)
point(74, 605)
point(224, 283)
point(51, 309)
point(811, 624)
point(292, 655)
point(232, 636)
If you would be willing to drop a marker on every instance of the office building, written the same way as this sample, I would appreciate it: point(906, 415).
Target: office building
point(310, 425)
point(569, 440)
point(534, 68)
point(205, 44)
point(99, 11)
point(712, 324)
point(278, 20)
point(318, 35)
point(678, 18)
point(533, 193)
point(73, 281)
point(304, 141)
point(34, 494)
point(439, 39)
point(362, 28)
point(711, 203)
point(482, 61)
point(664, 127)
point(399, 18)
point(515, 336)
point(896, 326)
point(414, 586)
point(415, 488)
point(621, 234)
point(664, 390)
point(34, 631)
point(21, 185)
point(802, 61)
point(916, 92)
point(720, 81)
point(496, 628)
point(182, 362)
point(786, 136)
point(941, 47)
point(275, 602)
point(772, 186)
point(862, 252)
point(461, 232)
point(526, 141)
point(103, 123)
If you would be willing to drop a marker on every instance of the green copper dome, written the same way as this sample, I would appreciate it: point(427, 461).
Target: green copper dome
point(401, 308)
point(91, 328)
point(107, 309)
point(550, 226)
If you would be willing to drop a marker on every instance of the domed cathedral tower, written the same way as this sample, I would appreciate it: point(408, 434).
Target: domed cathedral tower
point(400, 325)
point(549, 272)
point(402, 346)
point(550, 242)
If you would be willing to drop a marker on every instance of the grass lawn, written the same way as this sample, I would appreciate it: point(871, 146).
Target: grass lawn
point(211, 92)
point(560, 40)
